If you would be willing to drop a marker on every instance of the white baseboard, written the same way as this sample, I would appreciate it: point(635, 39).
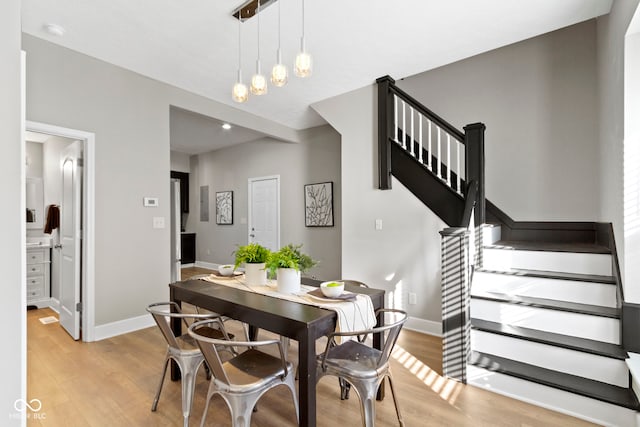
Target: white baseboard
point(55, 305)
point(187, 265)
point(428, 327)
point(122, 327)
point(209, 265)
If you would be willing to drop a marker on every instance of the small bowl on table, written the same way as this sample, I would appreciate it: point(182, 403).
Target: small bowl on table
point(332, 289)
point(226, 270)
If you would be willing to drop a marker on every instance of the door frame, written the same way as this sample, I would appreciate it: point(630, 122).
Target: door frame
point(263, 178)
point(88, 217)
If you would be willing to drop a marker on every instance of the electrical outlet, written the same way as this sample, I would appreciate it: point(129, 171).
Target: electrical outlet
point(413, 298)
point(378, 224)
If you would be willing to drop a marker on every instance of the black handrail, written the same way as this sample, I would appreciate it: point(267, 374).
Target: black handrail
point(442, 123)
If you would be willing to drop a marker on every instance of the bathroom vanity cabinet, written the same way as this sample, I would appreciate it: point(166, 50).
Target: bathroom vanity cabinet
point(38, 276)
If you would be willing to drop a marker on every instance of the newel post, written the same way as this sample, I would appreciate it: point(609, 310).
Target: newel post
point(474, 155)
point(456, 342)
point(385, 125)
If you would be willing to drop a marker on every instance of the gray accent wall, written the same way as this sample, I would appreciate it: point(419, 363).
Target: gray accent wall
point(12, 250)
point(315, 159)
point(180, 162)
point(538, 99)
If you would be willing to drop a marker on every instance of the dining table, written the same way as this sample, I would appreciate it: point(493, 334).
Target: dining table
point(301, 322)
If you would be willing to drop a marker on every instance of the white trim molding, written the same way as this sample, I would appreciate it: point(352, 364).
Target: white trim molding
point(424, 326)
point(120, 327)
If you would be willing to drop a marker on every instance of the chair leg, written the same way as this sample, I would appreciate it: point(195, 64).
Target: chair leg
point(241, 408)
point(344, 388)
point(188, 370)
point(395, 400)
point(291, 383)
point(367, 390)
point(154, 405)
point(210, 392)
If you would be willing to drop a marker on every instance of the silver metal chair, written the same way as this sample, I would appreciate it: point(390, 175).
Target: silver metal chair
point(243, 379)
point(362, 366)
point(183, 349)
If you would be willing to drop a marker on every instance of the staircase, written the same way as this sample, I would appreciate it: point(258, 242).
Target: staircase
point(545, 297)
point(546, 327)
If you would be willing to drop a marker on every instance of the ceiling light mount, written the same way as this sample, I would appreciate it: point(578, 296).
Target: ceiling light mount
point(54, 29)
point(251, 8)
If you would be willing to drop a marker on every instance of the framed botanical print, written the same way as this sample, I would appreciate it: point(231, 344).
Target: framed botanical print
point(224, 207)
point(318, 204)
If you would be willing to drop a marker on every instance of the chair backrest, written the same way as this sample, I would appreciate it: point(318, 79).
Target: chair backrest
point(163, 312)
point(354, 282)
point(208, 347)
point(392, 332)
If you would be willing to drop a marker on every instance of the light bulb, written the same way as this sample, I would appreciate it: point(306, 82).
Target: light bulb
point(240, 93)
point(279, 75)
point(258, 82)
point(302, 66)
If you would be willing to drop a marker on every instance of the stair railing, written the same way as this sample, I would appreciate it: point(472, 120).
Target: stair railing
point(454, 157)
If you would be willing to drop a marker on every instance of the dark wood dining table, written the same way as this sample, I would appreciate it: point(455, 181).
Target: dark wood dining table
point(301, 322)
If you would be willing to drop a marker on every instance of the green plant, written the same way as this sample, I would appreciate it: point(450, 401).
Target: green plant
point(290, 256)
point(253, 253)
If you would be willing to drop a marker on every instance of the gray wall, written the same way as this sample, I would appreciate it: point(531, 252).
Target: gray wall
point(180, 162)
point(12, 252)
point(315, 159)
point(538, 100)
point(610, 44)
point(405, 255)
point(129, 114)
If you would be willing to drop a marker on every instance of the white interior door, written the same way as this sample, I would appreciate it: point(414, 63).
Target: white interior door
point(71, 239)
point(264, 211)
point(176, 253)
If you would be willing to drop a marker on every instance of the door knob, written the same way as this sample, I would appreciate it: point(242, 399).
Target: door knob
point(58, 246)
point(252, 235)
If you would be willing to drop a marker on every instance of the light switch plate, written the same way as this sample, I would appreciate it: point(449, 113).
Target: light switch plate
point(150, 202)
point(158, 222)
point(378, 224)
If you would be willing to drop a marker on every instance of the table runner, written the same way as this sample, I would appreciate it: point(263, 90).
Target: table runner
point(352, 316)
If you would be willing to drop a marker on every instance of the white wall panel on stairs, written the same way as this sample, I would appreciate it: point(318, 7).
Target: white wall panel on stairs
point(567, 262)
point(586, 365)
point(593, 293)
point(561, 322)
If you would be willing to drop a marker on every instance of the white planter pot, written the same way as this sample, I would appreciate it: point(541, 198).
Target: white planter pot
point(288, 280)
point(255, 274)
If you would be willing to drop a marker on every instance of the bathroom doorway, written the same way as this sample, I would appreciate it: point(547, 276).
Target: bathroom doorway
point(75, 294)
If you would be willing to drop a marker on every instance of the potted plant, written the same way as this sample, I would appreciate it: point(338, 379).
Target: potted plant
point(254, 257)
point(288, 263)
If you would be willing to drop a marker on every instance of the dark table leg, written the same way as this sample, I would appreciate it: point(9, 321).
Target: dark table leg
point(378, 342)
point(307, 376)
point(176, 326)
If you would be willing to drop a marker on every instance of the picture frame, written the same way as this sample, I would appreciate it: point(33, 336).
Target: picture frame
point(318, 204)
point(224, 207)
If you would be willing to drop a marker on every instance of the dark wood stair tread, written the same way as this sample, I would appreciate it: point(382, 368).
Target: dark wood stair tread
point(564, 341)
point(550, 246)
point(583, 386)
point(609, 280)
point(572, 307)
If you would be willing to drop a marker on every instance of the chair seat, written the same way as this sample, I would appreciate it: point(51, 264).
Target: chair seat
point(252, 369)
point(353, 359)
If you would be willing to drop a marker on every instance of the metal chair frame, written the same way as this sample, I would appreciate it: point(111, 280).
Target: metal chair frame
point(183, 350)
point(243, 379)
point(362, 366)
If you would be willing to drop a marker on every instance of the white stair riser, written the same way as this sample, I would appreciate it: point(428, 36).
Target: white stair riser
point(561, 322)
point(568, 262)
point(586, 365)
point(593, 410)
point(594, 293)
point(491, 234)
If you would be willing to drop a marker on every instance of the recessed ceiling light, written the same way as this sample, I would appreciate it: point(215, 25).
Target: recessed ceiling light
point(226, 126)
point(54, 29)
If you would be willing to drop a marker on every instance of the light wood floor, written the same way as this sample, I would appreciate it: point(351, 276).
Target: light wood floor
point(112, 383)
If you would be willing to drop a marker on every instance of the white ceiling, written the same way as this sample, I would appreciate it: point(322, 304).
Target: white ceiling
point(193, 44)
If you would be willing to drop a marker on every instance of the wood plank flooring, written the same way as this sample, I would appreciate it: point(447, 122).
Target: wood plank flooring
point(112, 382)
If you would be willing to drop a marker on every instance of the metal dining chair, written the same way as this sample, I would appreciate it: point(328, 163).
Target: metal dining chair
point(183, 349)
point(362, 366)
point(243, 379)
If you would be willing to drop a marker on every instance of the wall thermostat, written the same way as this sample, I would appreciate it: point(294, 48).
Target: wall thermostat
point(151, 202)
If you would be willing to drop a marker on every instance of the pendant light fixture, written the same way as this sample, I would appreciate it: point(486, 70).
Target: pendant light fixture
point(258, 81)
point(303, 59)
point(279, 73)
point(240, 93)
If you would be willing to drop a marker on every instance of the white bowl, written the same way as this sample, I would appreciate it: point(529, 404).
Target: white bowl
point(226, 270)
point(332, 291)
